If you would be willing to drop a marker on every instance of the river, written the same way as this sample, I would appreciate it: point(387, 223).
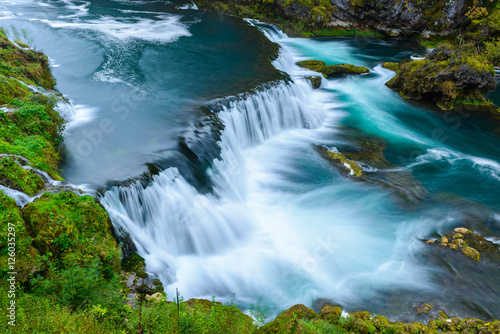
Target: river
point(205, 153)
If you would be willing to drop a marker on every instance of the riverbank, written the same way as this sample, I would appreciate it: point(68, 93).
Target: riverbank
point(468, 31)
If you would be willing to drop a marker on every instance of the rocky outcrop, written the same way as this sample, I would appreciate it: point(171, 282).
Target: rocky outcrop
point(333, 70)
point(470, 244)
point(391, 17)
point(447, 76)
point(399, 18)
point(300, 319)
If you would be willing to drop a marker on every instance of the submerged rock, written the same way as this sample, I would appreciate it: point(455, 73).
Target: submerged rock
point(364, 160)
point(348, 167)
point(469, 243)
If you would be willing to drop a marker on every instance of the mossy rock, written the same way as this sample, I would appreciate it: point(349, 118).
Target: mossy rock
point(447, 77)
point(344, 69)
point(470, 244)
point(133, 263)
point(393, 66)
point(13, 176)
point(315, 81)
point(330, 314)
point(313, 65)
point(345, 165)
point(72, 228)
point(287, 321)
point(471, 252)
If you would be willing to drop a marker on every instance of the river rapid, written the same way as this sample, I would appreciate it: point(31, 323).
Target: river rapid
point(204, 152)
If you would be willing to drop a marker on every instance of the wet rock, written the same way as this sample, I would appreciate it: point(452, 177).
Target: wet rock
point(315, 81)
point(424, 308)
point(313, 65)
point(448, 77)
point(462, 230)
point(393, 66)
point(344, 69)
point(471, 252)
point(470, 244)
point(367, 152)
point(346, 166)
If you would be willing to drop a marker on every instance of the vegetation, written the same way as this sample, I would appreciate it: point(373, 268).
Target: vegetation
point(15, 177)
point(332, 70)
point(447, 76)
point(306, 18)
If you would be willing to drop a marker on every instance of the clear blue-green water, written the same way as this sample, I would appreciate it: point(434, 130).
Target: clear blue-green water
point(239, 201)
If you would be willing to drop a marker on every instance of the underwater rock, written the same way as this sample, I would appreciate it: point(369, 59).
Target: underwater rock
point(424, 308)
point(346, 166)
point(470, 244)
point(367, 152)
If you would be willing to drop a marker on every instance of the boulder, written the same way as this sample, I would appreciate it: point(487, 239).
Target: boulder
point(315, 81)
point(344, 69)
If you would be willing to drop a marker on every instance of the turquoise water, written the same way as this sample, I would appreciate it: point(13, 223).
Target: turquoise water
point(240, 202)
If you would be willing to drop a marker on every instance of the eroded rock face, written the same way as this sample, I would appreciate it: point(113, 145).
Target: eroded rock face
point(399, 18)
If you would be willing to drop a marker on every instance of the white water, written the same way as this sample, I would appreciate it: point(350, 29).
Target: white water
point(262, 233)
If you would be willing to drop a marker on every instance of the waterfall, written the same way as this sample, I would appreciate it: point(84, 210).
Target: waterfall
point(172, 223)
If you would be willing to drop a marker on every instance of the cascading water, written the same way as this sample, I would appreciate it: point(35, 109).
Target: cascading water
point(253, 235)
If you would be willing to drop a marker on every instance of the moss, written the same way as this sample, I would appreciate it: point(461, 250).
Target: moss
point(11, 89)
point(447, 75)
point(470, 244)
point(330, 314)
point(353, 167)
point(344, 69)
point(133, 263)
point(72, 228)
point(28, 66)
point(288, 320)
point(12, 175)
point(332, 70)
point(393, 66)
point(26, 258)
point(313, 65)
